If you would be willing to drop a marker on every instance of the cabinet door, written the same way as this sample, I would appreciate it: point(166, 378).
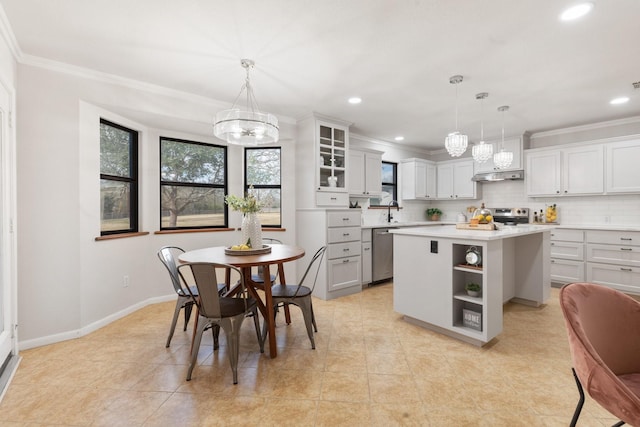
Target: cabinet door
point(622, 171)
point(431, 179)
point(625, 279)
point(567, 250)
point(366, 263)
point(343, 273)
point(372, 174)
point(444, 181)
point(513, 145)
point(543, 173)
point(333, 143)
point(567, 271)
point(356, 172)
point(583, 170)
point(413, 181)
point(463, 185)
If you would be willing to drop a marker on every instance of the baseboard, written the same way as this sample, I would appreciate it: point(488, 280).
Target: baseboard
point(92, 327)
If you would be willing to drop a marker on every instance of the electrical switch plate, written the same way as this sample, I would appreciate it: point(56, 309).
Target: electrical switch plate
point(434, 246)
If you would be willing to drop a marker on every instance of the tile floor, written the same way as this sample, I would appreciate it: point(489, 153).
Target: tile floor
point(369, 368)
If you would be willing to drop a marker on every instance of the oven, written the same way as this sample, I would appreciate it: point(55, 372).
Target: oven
point(511, 216)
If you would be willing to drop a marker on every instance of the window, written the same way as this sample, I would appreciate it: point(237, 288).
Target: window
point(193, 182)
point(118, 179)
point(262, 172)
point(389, 185)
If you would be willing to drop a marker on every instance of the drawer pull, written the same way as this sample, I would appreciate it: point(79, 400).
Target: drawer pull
point(626, 249)
point(345, 234)
point(553, 244)
point(627, 239)
point(366, 249)
point(334, 198)
point(625, 269)
point(345, 250)
point(345, 260)
point(345, 219)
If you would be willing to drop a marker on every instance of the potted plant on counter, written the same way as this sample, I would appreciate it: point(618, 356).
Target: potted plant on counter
point(473, 289)
point(433, 214)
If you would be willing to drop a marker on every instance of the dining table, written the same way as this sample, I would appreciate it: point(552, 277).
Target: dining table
point(277, 255)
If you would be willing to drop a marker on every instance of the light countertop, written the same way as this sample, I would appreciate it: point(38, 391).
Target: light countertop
point(450, 232)
point(406, 224)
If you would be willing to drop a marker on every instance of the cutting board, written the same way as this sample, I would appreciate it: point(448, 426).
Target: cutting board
point(467, 226)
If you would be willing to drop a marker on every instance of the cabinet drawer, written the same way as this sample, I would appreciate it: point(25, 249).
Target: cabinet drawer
point(343, 218)
point(627, 238)
point(341, 250)
point(326, 198)
point(626, 279)
point(567, 235)
point(343, 234)
point(366, 235)
point(566, 271)
point(344, 272)
point(567, 250)
point(614, 254)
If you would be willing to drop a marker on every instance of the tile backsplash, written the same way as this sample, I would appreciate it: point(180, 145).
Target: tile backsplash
point(572, 210)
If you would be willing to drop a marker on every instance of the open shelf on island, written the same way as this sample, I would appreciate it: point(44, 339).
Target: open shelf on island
point(464, 297)
point(468, 267)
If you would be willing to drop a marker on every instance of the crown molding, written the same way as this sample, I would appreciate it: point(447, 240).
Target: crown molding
point(7, 34)
point(390, 144)
point(587, 127)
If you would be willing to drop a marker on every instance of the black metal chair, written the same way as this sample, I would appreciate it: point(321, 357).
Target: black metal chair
point(216, 311)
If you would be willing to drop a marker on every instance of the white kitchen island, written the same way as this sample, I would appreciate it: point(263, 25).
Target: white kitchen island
point(430, 273)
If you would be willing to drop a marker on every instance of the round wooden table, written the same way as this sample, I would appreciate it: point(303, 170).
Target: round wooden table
point(279, 255)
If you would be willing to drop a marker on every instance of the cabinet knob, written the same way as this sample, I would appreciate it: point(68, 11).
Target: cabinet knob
point(557, 191)
point(565, 191)
point(553, 244)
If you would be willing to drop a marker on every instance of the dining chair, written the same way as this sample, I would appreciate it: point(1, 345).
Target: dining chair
point(299, 295)
point(216, 311)
point(603, 327)
point(168, 256)
point(257, 276)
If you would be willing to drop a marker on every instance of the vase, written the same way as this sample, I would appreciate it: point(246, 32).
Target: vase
point(252, 230)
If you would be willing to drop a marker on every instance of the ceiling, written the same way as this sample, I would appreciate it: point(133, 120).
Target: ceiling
point(397, 55)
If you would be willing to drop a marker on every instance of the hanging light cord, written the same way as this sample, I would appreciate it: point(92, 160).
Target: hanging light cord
point(252, 103)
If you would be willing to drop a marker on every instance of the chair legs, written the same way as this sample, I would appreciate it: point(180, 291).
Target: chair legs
point(307, 312)
point(180, 303)
point(188, 306)
point(576, 413)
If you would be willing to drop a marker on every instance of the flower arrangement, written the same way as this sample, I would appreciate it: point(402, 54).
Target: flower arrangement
point(246, 204)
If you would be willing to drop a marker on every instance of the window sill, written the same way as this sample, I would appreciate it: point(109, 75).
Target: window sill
point(194, 230)
point(121, 236)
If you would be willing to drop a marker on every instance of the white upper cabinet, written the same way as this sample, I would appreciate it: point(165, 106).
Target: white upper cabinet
point(622, 169)
point(418, 179)
point(566, 172)
point(455, 180)
point(365, 173)
point(514, 145)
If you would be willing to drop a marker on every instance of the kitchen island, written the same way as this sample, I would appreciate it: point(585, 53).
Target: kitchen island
point(431, 271)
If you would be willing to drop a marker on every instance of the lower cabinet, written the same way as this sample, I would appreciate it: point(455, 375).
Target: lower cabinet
point(367, 265)
point(613, 259)
point(567, 256)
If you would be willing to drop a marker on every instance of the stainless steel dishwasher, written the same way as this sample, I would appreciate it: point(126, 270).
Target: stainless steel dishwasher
point(382, 254)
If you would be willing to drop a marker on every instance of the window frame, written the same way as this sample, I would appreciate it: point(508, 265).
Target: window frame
point(224, 186)
point(133, 180)
point(394, 184)
point(247, 185)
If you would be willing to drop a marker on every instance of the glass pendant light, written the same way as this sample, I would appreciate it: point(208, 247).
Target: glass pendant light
point(456, 143)
point(481, 151)
point(249, 126)
point(503, 159)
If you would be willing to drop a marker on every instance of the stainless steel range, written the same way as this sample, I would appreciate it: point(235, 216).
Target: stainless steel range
point(511, 216)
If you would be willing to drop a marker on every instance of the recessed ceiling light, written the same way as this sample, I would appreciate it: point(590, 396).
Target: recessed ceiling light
point(355, 100)
point(576, 11)
point(619, 100)
point(399, 138)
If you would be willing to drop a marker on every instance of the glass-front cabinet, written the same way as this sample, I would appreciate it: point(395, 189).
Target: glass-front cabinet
point(332, 160)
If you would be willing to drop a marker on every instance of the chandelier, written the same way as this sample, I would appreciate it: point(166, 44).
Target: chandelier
point(503, 159)
point(456, 143)
point(481, 151)
point(248, 126)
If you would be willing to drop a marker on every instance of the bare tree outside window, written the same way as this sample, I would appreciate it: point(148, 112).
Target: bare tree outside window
point(262, 173)
point(193, 179)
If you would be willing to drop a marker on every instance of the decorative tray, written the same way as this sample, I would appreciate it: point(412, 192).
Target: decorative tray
point(264, 250)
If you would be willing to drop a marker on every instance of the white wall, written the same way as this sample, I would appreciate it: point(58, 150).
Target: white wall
point(69, 283)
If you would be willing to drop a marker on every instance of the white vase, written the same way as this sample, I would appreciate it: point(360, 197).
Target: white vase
point(252, 230)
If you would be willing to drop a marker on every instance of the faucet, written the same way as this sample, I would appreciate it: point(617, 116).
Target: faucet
point(392, 203)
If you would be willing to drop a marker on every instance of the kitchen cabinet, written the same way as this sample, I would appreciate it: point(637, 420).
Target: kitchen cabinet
point(514, 145)
point(366, 257)
point(418, 179)
point(567, 256)
point(565, 172)
point(622, 171)
point(322, 162)
point(613, 259)
point(455, 180)
point(340, 231)
point(365, 173)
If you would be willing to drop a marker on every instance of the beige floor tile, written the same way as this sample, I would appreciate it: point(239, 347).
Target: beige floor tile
point(393, 389)
point(398, 414)
point(288, 412)
point(345, 387)
point(332, 414)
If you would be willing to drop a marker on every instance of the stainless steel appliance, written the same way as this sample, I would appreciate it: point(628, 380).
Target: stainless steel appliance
point(382, 254)
point(511, 216)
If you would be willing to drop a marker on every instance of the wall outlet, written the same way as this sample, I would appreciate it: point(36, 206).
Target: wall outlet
point(125, 281)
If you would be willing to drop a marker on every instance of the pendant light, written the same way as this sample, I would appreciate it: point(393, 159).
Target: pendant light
point(481, 151)
point(456, 143)
point(503, 159)
point(249, 126)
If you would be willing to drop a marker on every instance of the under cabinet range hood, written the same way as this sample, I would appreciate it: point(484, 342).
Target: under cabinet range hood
point(499, 176)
